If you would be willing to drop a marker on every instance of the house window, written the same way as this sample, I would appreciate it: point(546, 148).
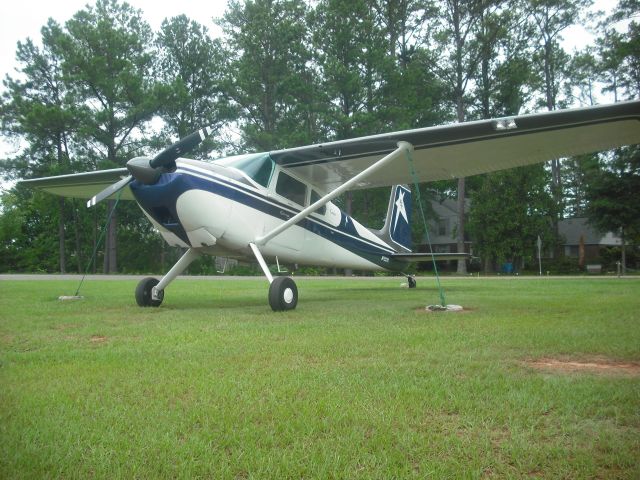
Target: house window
point(571, 251)
point(290, 188)
point(442, 227)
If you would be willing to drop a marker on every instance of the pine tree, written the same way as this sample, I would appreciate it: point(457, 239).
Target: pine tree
point(107, 64)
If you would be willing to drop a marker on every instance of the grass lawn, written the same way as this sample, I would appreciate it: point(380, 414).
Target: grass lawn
point(358, 382)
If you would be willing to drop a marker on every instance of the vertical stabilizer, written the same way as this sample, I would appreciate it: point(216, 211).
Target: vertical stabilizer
point(397, 226)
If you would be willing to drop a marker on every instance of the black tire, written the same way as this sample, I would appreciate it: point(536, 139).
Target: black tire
point(143, 293)
point(283, 294)
point(412, 282)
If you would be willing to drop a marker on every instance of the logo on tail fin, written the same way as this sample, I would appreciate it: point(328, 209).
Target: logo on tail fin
point(400, 209)
point(396, 231)
point(399, 217)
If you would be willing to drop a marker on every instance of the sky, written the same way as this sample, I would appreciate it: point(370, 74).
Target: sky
point(24, 18)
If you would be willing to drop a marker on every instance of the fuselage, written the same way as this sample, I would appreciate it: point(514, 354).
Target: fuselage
point(220, 207)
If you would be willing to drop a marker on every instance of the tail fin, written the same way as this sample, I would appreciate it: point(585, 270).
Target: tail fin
point(397, 226)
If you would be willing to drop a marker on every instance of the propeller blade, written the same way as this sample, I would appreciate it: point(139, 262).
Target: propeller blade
point(110, 190)
point(141, 167)
point(168, 155)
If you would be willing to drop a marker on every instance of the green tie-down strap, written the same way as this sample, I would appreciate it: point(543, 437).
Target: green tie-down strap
point(424, 222)
point(99, 242)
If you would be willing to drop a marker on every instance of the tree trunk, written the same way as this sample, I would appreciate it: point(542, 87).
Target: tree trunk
point(462, 264)
point(112, 233)
point(61, 239)
point(95, 240)
point(105, 258)
point(487, 264)
point(61, 236)
point(623, 253)
point(110, 248)
point(76, 228)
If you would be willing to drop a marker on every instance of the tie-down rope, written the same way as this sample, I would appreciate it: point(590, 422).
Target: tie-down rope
point(424, 222)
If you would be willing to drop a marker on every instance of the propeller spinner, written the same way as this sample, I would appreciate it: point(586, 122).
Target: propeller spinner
point(148, 171)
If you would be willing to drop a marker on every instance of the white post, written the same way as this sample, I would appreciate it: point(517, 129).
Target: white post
point(540, 255)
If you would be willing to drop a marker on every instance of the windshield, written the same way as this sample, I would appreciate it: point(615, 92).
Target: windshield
point(257, 166)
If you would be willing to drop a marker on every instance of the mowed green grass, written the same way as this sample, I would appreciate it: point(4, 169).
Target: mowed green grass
point(358, 382)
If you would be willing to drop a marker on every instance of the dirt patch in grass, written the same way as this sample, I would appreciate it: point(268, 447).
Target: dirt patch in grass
point(98, 339)
point(602, 365)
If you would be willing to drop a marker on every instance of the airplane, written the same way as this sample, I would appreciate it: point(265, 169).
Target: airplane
point(277, 206)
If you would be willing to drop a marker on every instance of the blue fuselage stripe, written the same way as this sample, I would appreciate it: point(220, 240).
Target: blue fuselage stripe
point(172, 185)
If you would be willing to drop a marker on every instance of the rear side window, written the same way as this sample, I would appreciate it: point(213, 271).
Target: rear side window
point(291, 188)
point(315, 196)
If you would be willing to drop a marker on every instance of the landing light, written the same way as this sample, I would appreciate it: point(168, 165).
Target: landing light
point(505, 124)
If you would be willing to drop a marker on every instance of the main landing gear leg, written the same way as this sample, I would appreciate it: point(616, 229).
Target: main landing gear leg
point(283, 293)
point(150, 291)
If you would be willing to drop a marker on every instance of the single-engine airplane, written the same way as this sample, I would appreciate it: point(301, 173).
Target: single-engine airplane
point(278, 205)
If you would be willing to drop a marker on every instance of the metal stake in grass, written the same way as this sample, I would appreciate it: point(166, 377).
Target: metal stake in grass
point(76, 296)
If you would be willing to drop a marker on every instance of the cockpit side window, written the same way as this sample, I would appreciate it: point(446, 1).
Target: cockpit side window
point(315, 196)
point(290, 188)
point(263, 174)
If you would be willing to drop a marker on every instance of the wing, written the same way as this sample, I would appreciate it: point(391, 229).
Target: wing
point(466, 149)
point(81, 185)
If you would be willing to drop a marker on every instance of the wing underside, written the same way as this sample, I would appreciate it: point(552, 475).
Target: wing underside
point(82, 185)
point(471, 148)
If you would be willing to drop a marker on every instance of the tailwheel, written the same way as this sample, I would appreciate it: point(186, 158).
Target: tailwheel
point(411, 281)
point(283, 294)
point(145, 294)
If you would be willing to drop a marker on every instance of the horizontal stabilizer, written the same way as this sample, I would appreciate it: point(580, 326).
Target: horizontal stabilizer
point(428, 257)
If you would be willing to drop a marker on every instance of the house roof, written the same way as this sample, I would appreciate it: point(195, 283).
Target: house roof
point(448, 207)
point(571, 229)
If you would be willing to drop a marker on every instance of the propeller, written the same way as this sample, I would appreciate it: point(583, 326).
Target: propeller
point(148, 171)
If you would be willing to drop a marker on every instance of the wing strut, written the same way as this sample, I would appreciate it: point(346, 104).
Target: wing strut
point(403, 147)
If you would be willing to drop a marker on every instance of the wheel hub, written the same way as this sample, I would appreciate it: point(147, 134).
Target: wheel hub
point(288, 295)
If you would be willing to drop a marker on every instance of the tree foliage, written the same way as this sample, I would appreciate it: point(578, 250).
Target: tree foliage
point(289, 72)
point(190, 66)
point(510, 210)
point(269, 79)
point(613, 194)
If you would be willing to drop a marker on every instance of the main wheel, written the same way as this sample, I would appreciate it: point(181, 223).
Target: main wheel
point(283, 294)
point(143, 293)
point(412, 281)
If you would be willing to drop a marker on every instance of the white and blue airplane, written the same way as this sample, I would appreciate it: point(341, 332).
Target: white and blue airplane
point(277, 206)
